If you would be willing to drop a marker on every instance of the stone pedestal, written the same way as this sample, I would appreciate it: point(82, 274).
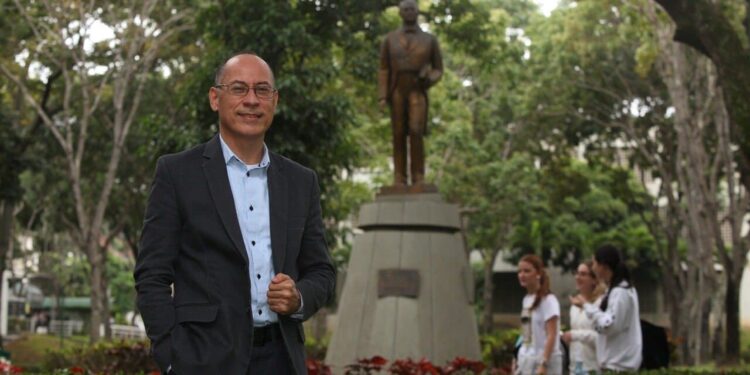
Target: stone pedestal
point(408, 239)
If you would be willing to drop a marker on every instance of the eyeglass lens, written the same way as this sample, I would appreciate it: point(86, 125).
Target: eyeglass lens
point(240, 89)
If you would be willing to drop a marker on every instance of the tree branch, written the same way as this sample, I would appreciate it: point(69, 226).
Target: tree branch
point(683, 13)
point(31, 101)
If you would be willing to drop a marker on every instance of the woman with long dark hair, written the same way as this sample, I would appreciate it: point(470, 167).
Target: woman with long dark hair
point(540, 321)
point(617, 319)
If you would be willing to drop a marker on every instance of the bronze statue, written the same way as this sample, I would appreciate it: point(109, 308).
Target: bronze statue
point(410, 63)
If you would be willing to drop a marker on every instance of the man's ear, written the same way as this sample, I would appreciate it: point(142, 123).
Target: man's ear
point(213, 99)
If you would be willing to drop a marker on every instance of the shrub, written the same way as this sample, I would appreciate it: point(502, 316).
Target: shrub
point(316, 349)
point(316, 367)
point(107, 357)
point(407, 366)
point(498, 349)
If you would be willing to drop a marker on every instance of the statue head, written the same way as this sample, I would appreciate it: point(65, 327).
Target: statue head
point(409, 11)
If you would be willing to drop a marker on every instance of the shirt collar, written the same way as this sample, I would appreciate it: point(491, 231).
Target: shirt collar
point(229, 155)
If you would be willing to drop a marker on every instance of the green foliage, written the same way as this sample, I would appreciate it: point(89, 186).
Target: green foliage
point(498, 347)
point(105, 357)
point(588, 206)
point(692, 371)
point(121, 287)
point(67, 268)
point(29, 351)
point(645, 56)
point(316, 349)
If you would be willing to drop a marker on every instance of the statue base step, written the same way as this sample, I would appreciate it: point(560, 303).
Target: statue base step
point(398, 189)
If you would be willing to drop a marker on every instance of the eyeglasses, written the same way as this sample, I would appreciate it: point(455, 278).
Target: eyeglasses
point(240, 89)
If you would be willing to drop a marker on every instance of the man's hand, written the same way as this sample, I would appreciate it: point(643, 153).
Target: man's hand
point(283, 296)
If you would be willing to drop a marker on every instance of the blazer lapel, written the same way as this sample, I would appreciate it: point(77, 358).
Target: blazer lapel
point(215, 170)
point(278, 202)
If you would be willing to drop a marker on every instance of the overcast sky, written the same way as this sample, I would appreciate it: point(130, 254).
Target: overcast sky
point(546, 6)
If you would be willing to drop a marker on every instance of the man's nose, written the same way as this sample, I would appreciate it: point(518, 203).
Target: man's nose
point(250, 98)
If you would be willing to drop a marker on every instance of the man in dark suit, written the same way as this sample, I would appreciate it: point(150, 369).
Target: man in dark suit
point(410, 63)
point(232, 256)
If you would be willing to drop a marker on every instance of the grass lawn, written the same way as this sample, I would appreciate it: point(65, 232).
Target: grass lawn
point(28, 351)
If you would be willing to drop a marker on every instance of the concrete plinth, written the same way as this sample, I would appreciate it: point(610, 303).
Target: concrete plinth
point(418, 234)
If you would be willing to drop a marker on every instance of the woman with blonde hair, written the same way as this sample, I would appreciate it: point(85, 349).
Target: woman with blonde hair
point(581, 338)
point(540, 319)
point(616, 320)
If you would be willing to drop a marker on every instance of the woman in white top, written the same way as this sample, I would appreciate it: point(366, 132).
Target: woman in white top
point(617, 319)
point(540, 353)
point(581, 338)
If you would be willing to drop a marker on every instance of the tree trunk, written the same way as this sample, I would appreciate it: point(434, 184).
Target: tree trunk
point(7, 209)
point(732, 311)
point(487, 293)
point(6, 236)
point(99, 297)
point(678, 323)
point(686, 79)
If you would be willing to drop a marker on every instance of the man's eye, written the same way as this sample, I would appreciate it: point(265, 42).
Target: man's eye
point(238, 89)
point(263, 90)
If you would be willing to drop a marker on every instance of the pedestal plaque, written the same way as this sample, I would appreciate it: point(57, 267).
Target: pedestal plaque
point(398, 283)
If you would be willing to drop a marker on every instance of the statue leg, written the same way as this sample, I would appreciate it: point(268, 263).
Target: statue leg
point(417, 119)
point(398, 124)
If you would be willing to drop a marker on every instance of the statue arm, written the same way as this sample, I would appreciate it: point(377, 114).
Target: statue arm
point(437, 63)
point(384, 71)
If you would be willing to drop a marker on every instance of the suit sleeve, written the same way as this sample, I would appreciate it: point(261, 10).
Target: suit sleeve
point(154, 269)
point(437, 62)
point(317, 278)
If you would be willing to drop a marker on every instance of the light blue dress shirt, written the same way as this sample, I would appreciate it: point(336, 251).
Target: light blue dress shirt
point(249, 184)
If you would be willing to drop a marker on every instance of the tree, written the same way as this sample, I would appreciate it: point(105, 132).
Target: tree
point(17, 134)
point(630, 96)
point(715, 30)
point(472, 126)
point(113, 71)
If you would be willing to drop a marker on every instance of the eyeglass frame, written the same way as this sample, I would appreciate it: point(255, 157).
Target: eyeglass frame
point(254, 88)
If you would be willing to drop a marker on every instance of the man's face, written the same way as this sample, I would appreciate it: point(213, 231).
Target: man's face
point(243, 117)
point(408, 11)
